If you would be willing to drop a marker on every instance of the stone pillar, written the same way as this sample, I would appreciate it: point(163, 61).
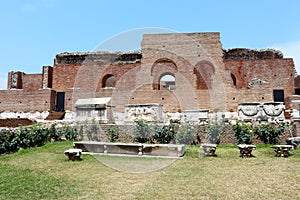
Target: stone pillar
point(14, 80)
point(47, 77)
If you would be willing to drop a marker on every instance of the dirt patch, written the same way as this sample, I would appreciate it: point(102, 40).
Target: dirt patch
point(16, 122)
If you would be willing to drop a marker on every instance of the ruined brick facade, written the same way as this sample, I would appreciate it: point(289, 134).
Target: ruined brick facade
point(206, 77)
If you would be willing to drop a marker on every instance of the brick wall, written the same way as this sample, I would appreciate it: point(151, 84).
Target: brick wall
point(206, 76)
point(47, 77)
point(26, 101)
point(277, 73)
point(32, 82)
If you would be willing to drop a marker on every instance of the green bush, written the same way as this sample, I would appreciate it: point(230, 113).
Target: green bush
point(269, 133)
point(35, 135)
point(53, 133)
point(32, 136)
point(243, 132)
point(186, 133)
point(80, 132)
point(164, 134)
point(39, 135)
point(92, 129)
point(141, 132)
point(69, 132)
point(113, 133)
point(214, 130)
point(24, 138)
point(7, 143)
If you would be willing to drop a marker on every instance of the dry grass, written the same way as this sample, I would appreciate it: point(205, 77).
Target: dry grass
point(45, 173)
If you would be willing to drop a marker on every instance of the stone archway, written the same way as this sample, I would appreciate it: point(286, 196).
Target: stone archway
point(108, 80)
point(204, 72)
point(160, 68)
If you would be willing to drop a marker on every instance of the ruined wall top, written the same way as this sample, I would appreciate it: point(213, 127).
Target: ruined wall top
point(105, 57)
point(251, 54)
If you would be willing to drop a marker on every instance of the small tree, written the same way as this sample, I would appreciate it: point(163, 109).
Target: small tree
point(92, 130)
point(214, 130)
point(70, 132)
point(186, 133)
point(164, 134)
point(142, 131)
point(113, 133)
point(243, 132)
point(54, 134)
point(269, 133)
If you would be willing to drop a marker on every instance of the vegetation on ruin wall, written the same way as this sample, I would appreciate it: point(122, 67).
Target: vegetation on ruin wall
point(11, 140)
point(190, 133)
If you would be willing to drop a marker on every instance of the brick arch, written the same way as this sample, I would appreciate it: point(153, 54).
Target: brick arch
point(160, 68)
point(161, 76)
point(164, 62)
point(233, 78)
point(108, 80)
point(204, 71)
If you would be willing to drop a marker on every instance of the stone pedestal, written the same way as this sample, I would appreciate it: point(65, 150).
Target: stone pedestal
point(208, 149)
point(246, 150)
point(282, 150)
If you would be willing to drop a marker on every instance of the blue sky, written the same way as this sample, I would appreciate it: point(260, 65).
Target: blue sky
point(34, 31)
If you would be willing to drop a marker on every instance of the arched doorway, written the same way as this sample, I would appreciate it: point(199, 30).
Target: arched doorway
point(108, 80)
point(167, 81)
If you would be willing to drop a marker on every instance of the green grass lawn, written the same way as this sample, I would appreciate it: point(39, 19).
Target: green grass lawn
point(45, 173)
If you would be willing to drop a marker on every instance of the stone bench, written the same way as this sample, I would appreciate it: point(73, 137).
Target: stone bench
point(246, 150)
point(168, 150)
point(282, 150)
point(208, 149)
point(73, 154)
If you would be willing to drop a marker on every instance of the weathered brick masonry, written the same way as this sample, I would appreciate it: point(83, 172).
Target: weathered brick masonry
point(206, 77)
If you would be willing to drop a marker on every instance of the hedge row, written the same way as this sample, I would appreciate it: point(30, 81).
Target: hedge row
point(33, 136)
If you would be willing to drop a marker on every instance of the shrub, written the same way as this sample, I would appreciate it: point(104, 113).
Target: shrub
point(164, 134)
point(113, 133)
point(7, 144)
point(80, 132)
point(23, 138)
point(35, 135)
point(92, 130)
point(269, 133)
point(243, 132)
point(142, 131)
point(53, 133)
point(214, 130)
point(186, 133)
point(32, 136)
point(39, 135)
point(69, 132)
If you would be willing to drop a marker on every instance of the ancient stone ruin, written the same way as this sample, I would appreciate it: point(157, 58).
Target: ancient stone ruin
point(179, 74)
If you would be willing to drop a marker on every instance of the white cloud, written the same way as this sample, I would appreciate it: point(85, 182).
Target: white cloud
point(290, 50)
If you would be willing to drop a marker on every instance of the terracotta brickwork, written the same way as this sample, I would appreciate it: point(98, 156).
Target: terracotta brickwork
point(206, 76)
point(32, 82)
point(276, 74)
point(26, 101)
